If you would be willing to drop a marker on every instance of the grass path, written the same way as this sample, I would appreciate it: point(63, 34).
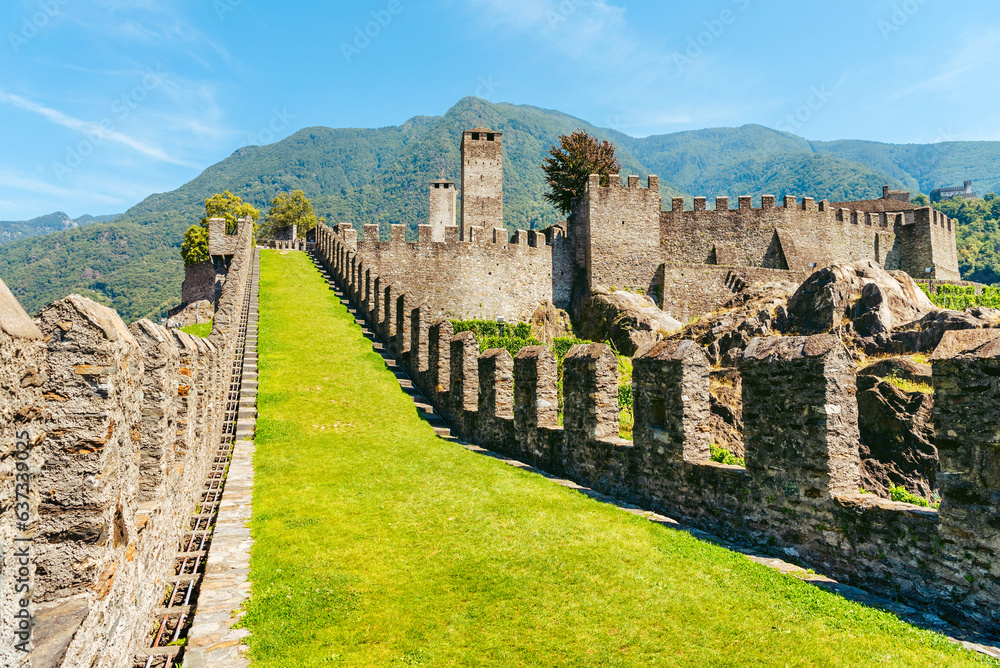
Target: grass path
point(377, 544)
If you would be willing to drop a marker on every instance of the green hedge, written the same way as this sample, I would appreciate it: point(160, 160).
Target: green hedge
point(959, 298)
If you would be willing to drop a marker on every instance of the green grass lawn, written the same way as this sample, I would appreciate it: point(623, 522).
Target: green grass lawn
point(377, 544)
point(203, 330)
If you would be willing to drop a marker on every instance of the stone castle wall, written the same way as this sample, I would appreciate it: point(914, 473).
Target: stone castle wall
point(489, 276)
point(799, 234)
point(121, 425)
point(618, 237)
point(692, 290)
point(930, 242)
point(443, 208)
point(199, 283)
point(799, 493)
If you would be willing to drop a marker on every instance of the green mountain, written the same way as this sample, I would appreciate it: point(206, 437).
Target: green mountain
point(381, 176)
point(11, 230)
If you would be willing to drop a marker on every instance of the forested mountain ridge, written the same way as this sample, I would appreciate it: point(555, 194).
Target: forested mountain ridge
point(15, 230)
point(381, 176)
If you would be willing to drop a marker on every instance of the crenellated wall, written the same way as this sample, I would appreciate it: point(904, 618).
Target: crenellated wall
point(121, 424)
point(492, 275)
point(799, 494)
point(798, 234)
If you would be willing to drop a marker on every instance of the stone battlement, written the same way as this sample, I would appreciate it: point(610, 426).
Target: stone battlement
point(800, 235)
point(118, 427)
point(491, 274)
point(790, 203)
point(800, 490)
point(619, 236)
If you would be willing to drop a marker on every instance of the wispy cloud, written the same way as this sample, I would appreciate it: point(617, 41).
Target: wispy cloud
point(18, 182)
point(594, 31)
point(978, 50)
point(89, 128)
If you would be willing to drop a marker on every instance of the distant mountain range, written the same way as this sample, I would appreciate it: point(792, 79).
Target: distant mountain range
point(11, 230)
point(381, 175)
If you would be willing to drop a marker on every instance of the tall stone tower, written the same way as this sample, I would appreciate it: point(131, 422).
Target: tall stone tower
point(443, 198)
point(482, 180)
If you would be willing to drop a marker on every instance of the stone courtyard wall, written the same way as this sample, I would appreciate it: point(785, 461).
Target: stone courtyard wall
point(119, 426)
point(692, 290)
point(799, 494)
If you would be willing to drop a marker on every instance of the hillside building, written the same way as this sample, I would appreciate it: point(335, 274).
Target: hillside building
point(951, 192)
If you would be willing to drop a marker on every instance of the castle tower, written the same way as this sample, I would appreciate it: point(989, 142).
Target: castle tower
point(482, 180)
point(615, 232)
point(443, 204)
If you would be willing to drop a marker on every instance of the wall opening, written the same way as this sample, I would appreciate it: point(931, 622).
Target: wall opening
point(658, 415)
point(475, 136)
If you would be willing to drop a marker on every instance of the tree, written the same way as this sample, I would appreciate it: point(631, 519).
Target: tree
point(229, 206)
point(922, 200)
point(225, 205)
point(567, 170)
point(291, 209)
point(195, 246)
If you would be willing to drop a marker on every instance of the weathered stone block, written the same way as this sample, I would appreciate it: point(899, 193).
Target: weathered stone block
point(464, 373)
point(671, 390)
point(800, 416)
point(590, 393)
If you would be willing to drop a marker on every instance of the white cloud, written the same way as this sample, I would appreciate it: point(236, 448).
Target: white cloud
point(588, 30)
point(976, 57)
point(17, 182)
point(100, 131)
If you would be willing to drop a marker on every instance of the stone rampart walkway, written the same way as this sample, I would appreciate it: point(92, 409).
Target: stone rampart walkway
point(212, 640)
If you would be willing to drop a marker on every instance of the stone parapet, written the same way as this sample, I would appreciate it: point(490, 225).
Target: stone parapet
point(117, 426)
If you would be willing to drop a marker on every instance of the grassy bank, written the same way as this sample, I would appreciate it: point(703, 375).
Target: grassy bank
point(377, 544)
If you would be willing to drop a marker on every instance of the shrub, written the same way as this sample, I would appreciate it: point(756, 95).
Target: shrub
point(724, 456)
point(492, 334)
point(903, 495)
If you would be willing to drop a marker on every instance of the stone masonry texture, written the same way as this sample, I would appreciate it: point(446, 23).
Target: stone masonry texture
point(482, 181)
point(119, 425)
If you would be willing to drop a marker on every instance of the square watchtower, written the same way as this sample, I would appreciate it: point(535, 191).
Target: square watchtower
point(443, 207)
point(482, 180)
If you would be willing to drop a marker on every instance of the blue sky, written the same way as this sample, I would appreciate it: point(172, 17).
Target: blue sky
point(103, 102)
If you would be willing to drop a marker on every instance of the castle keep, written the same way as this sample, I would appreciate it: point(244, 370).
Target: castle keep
point(619, 236)
point(482, 180)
